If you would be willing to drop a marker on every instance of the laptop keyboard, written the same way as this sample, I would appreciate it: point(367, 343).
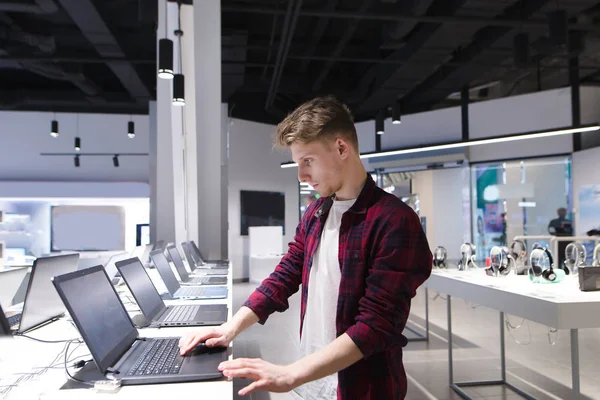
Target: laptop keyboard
point(190, 291)
point(182, 314)
point(14, 320)
point(198, 280)
point(161, 357)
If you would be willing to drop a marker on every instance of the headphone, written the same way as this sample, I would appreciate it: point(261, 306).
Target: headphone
point(439, 257)
point(596, 262)
point(574, 258)
point(501, 261)
point(540, 264)
point(467, 260)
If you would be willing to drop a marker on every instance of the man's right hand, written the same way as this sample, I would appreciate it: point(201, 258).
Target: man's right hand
point(219, 336)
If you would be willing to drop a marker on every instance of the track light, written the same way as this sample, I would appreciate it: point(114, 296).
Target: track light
point(165, 59)
point(54, 129)
point(130, 130)
point(77, 144)
point(116, 161)
point(521, 50)
point(379, 123)
point(396, 113)
point(178, 90)
point(77, 163)
point(558, 27)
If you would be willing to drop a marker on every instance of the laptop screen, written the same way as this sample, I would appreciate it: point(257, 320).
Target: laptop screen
point(165, 271)
point(41, 301)
point(187, 251)
point(141, 287)
point(178, 262)
point(111, 269)
point(98, 313)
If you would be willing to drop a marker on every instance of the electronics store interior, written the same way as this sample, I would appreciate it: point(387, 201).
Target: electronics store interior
point(172, 171)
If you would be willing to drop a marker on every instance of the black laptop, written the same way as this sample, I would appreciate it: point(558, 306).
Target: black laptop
point(4, 326)
point(114, 343)
point(185, 277)
point(208, 263)
point(42, 304)
point(155, 313)
point(188, 292)
point(197, 268)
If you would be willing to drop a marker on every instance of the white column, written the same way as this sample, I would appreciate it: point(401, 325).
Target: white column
point(189, 123)
point(162, 204)
point(211, 144)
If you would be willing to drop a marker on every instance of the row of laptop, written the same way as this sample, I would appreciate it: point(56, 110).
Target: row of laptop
point(89, 295)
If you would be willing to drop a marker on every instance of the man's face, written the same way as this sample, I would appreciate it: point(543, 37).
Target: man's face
point(320, 164)
point(562, 212)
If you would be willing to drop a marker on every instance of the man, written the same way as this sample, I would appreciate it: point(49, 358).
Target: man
point(561, 226)
point(359, 253)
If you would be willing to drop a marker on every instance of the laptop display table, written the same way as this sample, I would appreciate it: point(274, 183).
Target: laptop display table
point(561, 306)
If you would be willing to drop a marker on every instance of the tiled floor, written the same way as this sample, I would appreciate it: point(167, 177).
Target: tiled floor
point(540, 365)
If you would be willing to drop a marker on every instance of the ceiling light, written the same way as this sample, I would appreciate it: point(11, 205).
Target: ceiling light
point(471, 143)
point(54, 129)
point(116, 161)
point(380, 123)
point(178, 90)
point(77, 144)
point(165, 59)
point(77, 163)
point(396, 113)
point(130, 130)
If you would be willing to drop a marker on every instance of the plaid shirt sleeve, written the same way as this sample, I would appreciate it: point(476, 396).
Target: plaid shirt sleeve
point(401, 262)
point(273, 293)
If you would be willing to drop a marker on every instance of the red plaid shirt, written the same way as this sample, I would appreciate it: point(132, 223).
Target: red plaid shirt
point(384, 257)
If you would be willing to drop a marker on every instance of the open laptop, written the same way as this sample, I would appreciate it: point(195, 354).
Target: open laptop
point(185, 277)
point(154, 311)
point(196, 268)
point(42, 304)
point(142, 253)
point(189, 292)
point(113, 340)
point(111, 269)
point(4, 326)
point(10, 281)
point(214, 263)
point(196, 262)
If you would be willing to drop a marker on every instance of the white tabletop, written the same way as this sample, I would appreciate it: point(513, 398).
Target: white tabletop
point(559, 305)
point(20, 355)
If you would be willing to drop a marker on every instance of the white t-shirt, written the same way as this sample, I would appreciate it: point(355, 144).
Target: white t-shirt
point(318, 329)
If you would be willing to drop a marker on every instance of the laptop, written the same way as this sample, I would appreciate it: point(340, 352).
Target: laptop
point(185, 277)
point(199, 269)
point(214, 263)
point(10, 281)
point(142, 253)
point(189, 292)
point(4, 326)
point(111, 269)
point(42, 304)
point(196, 262)
point(154, 311)
point(113, 340)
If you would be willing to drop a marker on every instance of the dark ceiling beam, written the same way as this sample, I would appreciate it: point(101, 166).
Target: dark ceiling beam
point(40, 7)
point(438, 19)
point(346, 37)
point(89, 21)
point(483, 38)
point(318, 34)
point(75, 59)
point(288, 30)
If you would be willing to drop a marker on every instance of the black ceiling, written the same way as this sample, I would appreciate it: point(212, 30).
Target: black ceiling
point(99, 55)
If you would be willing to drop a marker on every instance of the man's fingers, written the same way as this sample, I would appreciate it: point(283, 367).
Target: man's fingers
point(251, 388)
point(244, 373)
point(238, 363)
point(220, 341)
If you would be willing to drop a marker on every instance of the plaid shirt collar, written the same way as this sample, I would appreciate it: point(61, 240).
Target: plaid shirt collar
point(360, 205)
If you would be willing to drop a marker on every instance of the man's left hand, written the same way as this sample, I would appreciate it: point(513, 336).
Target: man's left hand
point(266, 376)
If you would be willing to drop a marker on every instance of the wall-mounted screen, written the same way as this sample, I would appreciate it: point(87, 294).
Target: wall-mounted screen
point(261, 209)
point(87, 228)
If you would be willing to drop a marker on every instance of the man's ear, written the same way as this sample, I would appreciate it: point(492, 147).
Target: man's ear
point(342, 147)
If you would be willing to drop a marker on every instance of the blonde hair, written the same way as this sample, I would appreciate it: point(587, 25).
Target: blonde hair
point(322, 118)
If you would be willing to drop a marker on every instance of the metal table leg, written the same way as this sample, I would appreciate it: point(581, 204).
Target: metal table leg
point(575, 360)
point(420, 337)
point(458, 386)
